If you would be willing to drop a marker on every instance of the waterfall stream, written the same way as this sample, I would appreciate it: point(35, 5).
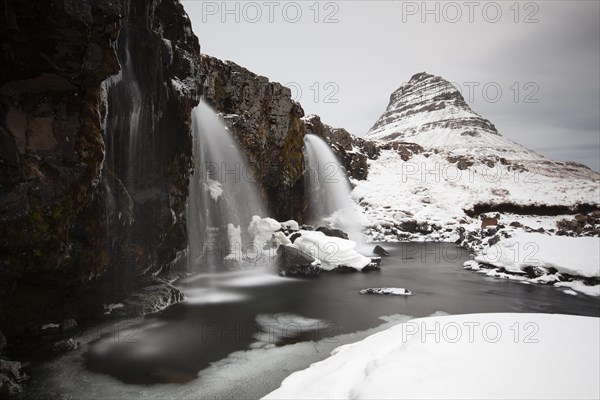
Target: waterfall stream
point(223, 194)
point(329, 190)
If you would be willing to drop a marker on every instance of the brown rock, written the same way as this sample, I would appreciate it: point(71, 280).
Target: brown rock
point(485, 222)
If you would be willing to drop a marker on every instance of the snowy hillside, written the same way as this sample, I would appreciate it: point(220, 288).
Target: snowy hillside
point(441, 165)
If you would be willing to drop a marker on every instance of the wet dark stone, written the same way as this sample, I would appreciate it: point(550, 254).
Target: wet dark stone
point(291, 261)
point(333, 232)
point(380, 251)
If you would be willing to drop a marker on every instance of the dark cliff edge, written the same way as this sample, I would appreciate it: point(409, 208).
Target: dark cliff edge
point(90, 200)
point(96, 150)
point(270, 126)
point(267, 123)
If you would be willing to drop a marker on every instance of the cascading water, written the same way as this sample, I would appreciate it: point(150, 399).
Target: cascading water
point(121, 168)
point(329, 189)
point(130, 169)
point(223, 194)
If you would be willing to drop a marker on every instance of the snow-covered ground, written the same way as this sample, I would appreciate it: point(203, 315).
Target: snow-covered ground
point(428, 189)
point(552, 259)
point(476, 356)
point(578, 256)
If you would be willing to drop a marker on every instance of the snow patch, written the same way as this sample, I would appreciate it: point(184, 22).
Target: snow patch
point(402, 362)
point(578, 256)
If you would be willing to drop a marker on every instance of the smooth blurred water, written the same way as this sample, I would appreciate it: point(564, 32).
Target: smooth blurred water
point(222, 189)
point(329, 190)
point(238, 334)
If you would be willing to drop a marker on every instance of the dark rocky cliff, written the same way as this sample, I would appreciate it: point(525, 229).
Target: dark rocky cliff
point(267, 123)
point(87, 197)
point(95, 104)
point(353, 152)
point(270, 127)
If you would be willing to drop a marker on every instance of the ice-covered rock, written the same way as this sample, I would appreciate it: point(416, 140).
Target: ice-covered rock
point(234, 237)
point(290, 225)
point(333, 252)
point(391, 291)
point(262, 230)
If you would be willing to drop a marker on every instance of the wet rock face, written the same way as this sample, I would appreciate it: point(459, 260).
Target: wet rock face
point(353, 152)
point(147, 136)
point(64, 181)
point(291, 261)
point(267, 123)
point(270, 127)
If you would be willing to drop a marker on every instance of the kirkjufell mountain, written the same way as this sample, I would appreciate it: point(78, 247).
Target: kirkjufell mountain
point(429, 111)
point(428, 103)
point(441, 165)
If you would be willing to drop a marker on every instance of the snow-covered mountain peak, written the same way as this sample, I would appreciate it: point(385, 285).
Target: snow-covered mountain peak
point(440, 165)
point(430, 111)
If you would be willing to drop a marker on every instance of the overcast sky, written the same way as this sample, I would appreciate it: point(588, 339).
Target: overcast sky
point(531, 68)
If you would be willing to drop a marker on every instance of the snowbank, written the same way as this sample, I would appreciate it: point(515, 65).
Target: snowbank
point(578, 256)
point(427, 188)
point(471, 356)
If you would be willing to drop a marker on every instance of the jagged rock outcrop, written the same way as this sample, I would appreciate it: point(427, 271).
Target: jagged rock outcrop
point(270, 127)
point(267, 123)
point(95, 101)
point(353, 152)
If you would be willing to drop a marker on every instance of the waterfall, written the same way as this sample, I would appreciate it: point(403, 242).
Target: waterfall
point(223, 194)
point(122, 166)
point(130, 168)
point(329, 190)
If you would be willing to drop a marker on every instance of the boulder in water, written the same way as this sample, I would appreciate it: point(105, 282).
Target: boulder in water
point(333, 232)
point(10, 376)
point(262, 229)
point(154, 297)
point(374, 265)
point(291, 261)
point(380, 251)
point(65, 346)
point(387, 291)
point(67, 325)
point(344, 269)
